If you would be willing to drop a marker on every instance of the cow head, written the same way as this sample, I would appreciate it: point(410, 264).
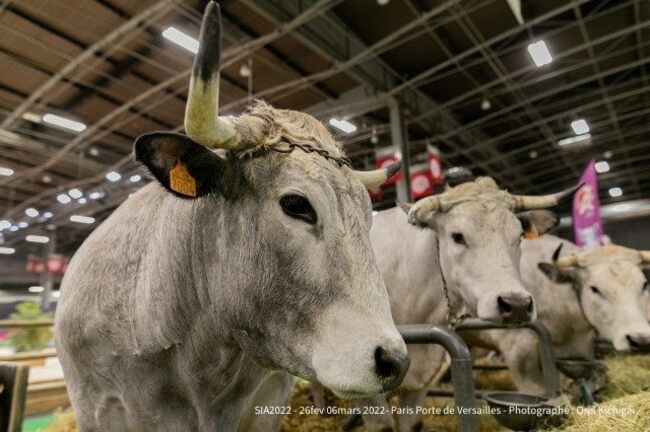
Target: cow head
point(610, 286)
point(479, 239)
point(302, 289)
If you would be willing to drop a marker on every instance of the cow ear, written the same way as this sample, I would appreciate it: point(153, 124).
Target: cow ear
point(429, 223)
point(537, 222)
point(558, 275)
point(183, 167)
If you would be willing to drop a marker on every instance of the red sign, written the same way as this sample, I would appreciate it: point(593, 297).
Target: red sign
point(385, 157)
point(55, 264)
point(376, 194)
point(421, 180)
point(34, 265)
point(435, 166)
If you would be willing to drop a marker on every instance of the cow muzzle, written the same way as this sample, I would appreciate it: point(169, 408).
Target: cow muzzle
point(638, 342)
point(391, 366)
point(515, 309)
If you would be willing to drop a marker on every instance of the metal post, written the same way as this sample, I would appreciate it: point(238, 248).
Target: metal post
point(400, 142)
point(546, 357)
point(461, 368)
point(47, 277)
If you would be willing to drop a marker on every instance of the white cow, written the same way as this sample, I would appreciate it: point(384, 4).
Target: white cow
point(234, 263)
point(578, 295)
point(466, 243)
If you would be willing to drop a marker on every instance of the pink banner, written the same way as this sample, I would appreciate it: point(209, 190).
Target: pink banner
point(587, 225)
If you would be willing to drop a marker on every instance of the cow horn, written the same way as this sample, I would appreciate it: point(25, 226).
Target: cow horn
point(420, 212)
point(645, 256)
point(375, 178)
point(533, 202)
point(567, 261)
point(202, 122)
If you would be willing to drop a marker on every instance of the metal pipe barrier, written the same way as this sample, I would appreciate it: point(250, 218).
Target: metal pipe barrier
point(461, 371)
point(23, 323)
point(547, 359)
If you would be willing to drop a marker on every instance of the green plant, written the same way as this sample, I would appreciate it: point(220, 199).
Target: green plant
point(30, 338)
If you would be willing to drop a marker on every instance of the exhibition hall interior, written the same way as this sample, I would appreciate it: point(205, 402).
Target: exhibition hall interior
point(324, 215)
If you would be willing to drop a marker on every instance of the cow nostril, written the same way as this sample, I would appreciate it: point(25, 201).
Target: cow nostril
point(529, 309)
point(504, 306)
point(632, 341)
point(391, 367)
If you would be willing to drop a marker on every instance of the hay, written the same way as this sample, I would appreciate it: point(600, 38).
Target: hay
point(64, 421)
point(626, 375)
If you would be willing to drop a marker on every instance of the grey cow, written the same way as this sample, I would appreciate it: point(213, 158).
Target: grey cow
point(465, 246)
point(579, 294)
point(234, 263)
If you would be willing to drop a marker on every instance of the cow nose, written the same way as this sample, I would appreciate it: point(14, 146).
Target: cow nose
point(391, 367)
point(639, 342)
point(515, 309)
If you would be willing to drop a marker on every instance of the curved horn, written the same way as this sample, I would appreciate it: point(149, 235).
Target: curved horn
point(202, 122)
point(420, 212)
point(567, 261)
point(533, 202)
point(645, 256)
point(375, 178)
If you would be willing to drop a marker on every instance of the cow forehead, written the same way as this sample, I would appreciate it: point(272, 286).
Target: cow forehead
point(483, 216)
point(616, 275)
point(608, 254)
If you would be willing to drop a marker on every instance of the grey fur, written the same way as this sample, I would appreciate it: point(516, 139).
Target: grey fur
point(174, 311)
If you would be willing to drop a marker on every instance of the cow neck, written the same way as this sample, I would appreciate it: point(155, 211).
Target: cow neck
point(451, 319)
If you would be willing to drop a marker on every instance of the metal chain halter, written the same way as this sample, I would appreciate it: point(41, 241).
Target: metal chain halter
point(307, 148)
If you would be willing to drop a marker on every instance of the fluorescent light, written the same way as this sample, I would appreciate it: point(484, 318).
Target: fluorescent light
point(621, 208)
point(32, 117)
point(37, 239)
point(75, 193)
point(56, 294)
point(573, 140)
point(375, 212)
point(4, 171)
point(113, 176)
point(63, 198)
point(6, 250)
point(47, 215)
point(4, 224)
point(540, 54)
point(580, 127)
point(82, 219)
point(96, 195)
point(14, 228)
point(602, 167)
point(135, 178)
point(82, 200)
point(35, 289)
point(179, 38)
point(23, 224)
point(615, 192)
point(64, 122)
point(31, 212)
point(343, 125)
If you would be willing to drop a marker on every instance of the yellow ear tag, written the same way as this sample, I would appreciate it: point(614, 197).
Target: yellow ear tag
point(181, 181)
point(531, 233)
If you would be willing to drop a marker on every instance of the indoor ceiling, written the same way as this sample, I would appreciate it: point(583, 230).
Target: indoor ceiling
point(106, 64)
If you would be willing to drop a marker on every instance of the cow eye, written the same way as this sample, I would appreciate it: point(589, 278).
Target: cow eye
point(595, 290)
point(298, 207)
point(459, 238)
